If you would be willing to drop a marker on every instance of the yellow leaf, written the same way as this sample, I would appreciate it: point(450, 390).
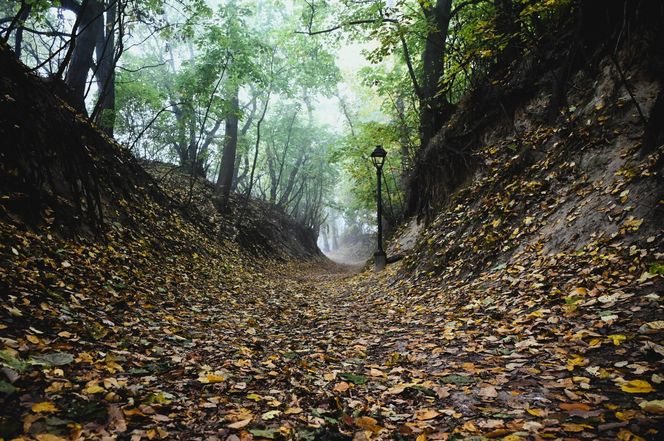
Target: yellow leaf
point(637, 387)
point(595, 342)
point(617, 338)
point(654, 406)
point(579, 291)
point(32, 339)
point(254, 397)
point(537, 412)
point(271, 414)
point(65, 334)
point(576, 360)
point(571, 427)
point(211, 378)
point(44, 407)
point(293, 411)
point(626, 415)
point(94, 389)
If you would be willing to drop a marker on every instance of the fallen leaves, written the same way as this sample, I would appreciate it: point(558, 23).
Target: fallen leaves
point(353, 378)
point(503, 355)
point(426, 414)
point(239, 424)
point(211, 379)
point(574, 406)
point(637, 387)
point(368, 423)
point(488, 392)
point(655, 406)
point(44, 407)
point(341, 387)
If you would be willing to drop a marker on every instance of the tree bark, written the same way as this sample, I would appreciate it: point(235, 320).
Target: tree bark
point(105, 51)
point(275, 188)
point(81, 60)
point(23, 14)
point(225, 178)
point(434, 108)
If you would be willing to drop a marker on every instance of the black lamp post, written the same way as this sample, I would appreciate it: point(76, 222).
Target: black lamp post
point(378, 159)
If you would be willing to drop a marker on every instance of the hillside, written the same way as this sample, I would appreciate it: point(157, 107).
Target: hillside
point(97, 255)
point(541, 256)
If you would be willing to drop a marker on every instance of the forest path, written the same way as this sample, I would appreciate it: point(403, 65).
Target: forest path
point(281, 352)
point(315, 352)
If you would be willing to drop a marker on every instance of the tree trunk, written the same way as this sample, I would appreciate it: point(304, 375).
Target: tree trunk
point(274, 189)
point(323, 238)
point(507, 24)
point(335, 236)
point(258, 142)
point(18, 38)
point(434, 109)
point(81, 60)
point(225, 179)
point(105, 50)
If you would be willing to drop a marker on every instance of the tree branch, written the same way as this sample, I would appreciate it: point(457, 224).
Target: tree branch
point(462, 5)
point(348, 23)
point(411, 71)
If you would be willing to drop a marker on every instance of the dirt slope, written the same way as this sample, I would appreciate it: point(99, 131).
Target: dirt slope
point(96, 261)
point(541, 271)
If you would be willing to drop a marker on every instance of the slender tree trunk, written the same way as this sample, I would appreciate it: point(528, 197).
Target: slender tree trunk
point(23, 14)
point(275, 188)
point(258, 143)
point(404, 142)
point(323, 237)
point(81, 60)
point(335, 236)
point(225, 178)
point(105, 50)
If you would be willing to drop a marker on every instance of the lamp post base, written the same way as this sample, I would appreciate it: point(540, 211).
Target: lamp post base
point(380, 260)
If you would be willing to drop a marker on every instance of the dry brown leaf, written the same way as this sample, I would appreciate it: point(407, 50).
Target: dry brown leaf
point(341, 387)
point(426, 414)
point(239, 424)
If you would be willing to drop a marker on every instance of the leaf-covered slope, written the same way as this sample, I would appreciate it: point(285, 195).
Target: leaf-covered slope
point(259, 228)
point(542, 277)
point(547, 188)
